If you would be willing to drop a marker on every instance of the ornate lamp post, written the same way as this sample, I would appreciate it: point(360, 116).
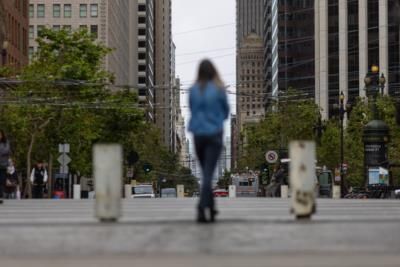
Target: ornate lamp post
point(376, 132)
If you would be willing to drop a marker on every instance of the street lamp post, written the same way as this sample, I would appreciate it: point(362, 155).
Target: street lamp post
point(376, 132)
point(342, 112)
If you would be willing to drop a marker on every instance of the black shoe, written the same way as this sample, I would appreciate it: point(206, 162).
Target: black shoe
point(213, 214)
point(201, 215)
point(1, 201)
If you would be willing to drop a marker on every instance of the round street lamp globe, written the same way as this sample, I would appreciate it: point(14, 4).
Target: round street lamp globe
point(375, 69)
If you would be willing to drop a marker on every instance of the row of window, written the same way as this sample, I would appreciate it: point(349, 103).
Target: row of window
point(67, 10)
point(21, 6)
point(254, 113)
point(244, 99)
point(93, 29)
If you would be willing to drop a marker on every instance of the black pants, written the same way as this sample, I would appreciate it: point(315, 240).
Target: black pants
point(208, 150)
point(37, 191)
point(3, 173)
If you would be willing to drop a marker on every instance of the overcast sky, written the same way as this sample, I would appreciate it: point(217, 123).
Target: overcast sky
point(189, 20)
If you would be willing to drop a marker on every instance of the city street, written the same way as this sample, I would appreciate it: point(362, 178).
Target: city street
point(153, 232)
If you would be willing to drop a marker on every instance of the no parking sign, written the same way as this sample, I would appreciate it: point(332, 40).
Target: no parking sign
point(271, 157)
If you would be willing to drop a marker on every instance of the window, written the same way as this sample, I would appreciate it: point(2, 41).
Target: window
point(67, 10)
point(142, 20)
point(56, 27)
point(94, 10)
point(83, 27)
point(142, 56)
point(142, 31)
point(56, 10)
point(31, 51)
point(142, 8)
point(142, 67)
point(94, 30)
point(31, 10)
point(142, 80)
point(40, 10)
point(67, 28)
point(40, 28)
point(142, 44)
point(31, 32)
point(83, 10)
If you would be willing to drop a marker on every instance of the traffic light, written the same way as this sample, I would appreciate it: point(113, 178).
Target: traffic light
point(264, 174)
point(147, 167)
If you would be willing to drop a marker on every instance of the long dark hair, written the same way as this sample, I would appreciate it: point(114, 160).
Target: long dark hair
point(207, 72)
point(3, 138)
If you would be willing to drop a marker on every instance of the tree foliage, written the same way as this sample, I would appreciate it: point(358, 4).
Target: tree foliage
point(297, 121)
point(65, 98)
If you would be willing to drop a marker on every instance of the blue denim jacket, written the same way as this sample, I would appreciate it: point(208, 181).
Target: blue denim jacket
point(209, 107)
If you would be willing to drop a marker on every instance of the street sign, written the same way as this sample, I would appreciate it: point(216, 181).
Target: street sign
point(271, 157)
point(64, 159)
point(129, 173)
point(63, 148)
point(64, 169)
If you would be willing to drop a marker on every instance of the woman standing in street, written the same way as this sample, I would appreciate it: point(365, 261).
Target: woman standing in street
point(209, 107)
point(4, 156)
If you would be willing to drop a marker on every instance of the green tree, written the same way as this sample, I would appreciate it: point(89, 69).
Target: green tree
point(275, 131)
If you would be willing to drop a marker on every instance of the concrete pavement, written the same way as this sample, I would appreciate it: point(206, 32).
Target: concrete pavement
point(153, 232)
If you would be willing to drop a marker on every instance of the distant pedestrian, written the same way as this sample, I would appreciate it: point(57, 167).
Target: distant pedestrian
point(209, 107)
point(4, 156)
point(38, 179)
point(11, 181)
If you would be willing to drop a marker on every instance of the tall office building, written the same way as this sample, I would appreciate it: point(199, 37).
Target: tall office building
point(145, 55)
point(123, 25)
point(249, 68)
point(14, 33)
point(350, 37)
point(328, 46)
point(251, 96)
point(289, 46)
point(164, 71)
point(249, 19)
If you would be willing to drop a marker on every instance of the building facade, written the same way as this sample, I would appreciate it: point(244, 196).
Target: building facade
point(289, 47)
point(126, 26)
point(145, 53)
point(350, 37)
point(250, 89)
point(250, 85)
point(14, 25)
point(249, 19)
point(335, 54)
point(164, 71)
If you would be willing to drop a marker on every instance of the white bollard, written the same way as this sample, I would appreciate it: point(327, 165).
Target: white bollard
point(107, 163)
point(336, 192)
point(180, 189)
point(284, 191)
point(128, 191)
point(302, 178)
point(77, 191)
point(232, 191)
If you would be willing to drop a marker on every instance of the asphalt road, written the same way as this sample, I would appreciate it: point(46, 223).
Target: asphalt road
point(162, 232)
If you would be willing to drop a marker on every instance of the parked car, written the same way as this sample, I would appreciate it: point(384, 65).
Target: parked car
point(221, 193)
point(143, 191)
point(168, 193)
